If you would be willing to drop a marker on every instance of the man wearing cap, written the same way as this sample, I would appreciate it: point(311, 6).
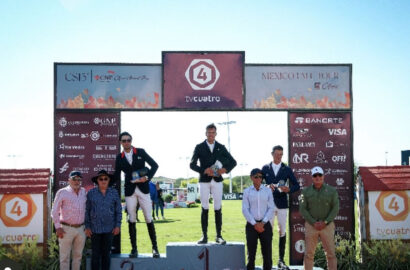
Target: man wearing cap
point(214, 161)
point(68, 217)
point(282, 181)
point(132, 161)
point(319, 205)
point(102, 219)
point(257, 207)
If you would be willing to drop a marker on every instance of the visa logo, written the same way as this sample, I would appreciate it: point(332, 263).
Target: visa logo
point(337, 131)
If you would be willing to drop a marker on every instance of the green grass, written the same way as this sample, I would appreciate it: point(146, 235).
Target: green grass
point(183, 225)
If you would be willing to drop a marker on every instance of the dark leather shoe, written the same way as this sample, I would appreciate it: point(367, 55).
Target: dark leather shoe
point(220, 240)
point(134, 253)
point(203, 240)
point(155, 253)
point(282, 265)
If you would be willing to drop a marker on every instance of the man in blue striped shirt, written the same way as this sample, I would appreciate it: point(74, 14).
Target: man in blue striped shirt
point(258, 207)
point(102, 219)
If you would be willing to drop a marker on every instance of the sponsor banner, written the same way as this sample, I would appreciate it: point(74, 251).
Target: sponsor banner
point(321, 139)
point(232, 196)
point(21, 218)
point(389, 214)
point(298, 87)
point(108, 86)
point(192, 192)
point(203, 80)
point(85, 142)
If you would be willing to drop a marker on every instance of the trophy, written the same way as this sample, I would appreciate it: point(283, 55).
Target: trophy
point(280, 184)
point(136, 175)
point(218, 165)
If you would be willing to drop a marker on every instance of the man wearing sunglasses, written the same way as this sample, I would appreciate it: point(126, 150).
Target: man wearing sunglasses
point(282, 181)
point(132, 161)
point(319, 205)
point(68, 217)
point(257, 208)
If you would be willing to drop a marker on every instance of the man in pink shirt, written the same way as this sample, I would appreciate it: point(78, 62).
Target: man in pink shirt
point(68, 216)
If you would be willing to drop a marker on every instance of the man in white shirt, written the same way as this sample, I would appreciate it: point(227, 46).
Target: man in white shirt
point(257, 208)
point(68, 214)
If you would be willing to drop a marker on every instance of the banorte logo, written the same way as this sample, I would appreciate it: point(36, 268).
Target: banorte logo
point(17, 210)
point(202, 74)
point(393, 205)
point(299, 120)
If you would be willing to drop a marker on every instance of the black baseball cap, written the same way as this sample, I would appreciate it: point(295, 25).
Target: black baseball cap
point(75, 173)
point(256, 171)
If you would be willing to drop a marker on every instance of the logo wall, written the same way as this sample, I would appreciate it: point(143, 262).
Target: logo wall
point(203, 80)
point(321, 139)
point(85, 142)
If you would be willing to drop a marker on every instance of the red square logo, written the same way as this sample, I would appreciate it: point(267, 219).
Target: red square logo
point(202, 80)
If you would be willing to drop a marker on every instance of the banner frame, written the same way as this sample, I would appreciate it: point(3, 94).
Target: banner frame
point(352, 187)
point(350, 66)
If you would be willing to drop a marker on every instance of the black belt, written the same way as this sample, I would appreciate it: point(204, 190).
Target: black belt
point(72, 225)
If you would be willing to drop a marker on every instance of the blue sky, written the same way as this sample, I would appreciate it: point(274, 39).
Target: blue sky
point(372, 35)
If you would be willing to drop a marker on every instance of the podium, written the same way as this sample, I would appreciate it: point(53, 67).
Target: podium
point(185, 256)
point(189, 256)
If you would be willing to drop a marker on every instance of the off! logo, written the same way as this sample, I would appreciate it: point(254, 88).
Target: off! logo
point(17, 210)
point(202, 74)
point(393, 205)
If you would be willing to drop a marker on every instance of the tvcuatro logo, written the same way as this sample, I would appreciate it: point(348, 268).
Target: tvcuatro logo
point(202, 74)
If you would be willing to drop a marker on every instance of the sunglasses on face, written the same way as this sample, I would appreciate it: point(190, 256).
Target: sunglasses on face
point(126, 140)
point(103, 179)
point(318, 174)
point(258, 176)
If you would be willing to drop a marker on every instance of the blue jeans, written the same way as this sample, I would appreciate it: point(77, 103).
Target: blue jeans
point(159, 204)
point(101, 249)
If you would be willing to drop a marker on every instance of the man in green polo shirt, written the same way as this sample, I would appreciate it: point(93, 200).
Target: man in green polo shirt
point(319, 205)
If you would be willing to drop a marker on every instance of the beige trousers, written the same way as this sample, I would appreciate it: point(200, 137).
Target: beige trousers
point(72, 242)
point(327, 236)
